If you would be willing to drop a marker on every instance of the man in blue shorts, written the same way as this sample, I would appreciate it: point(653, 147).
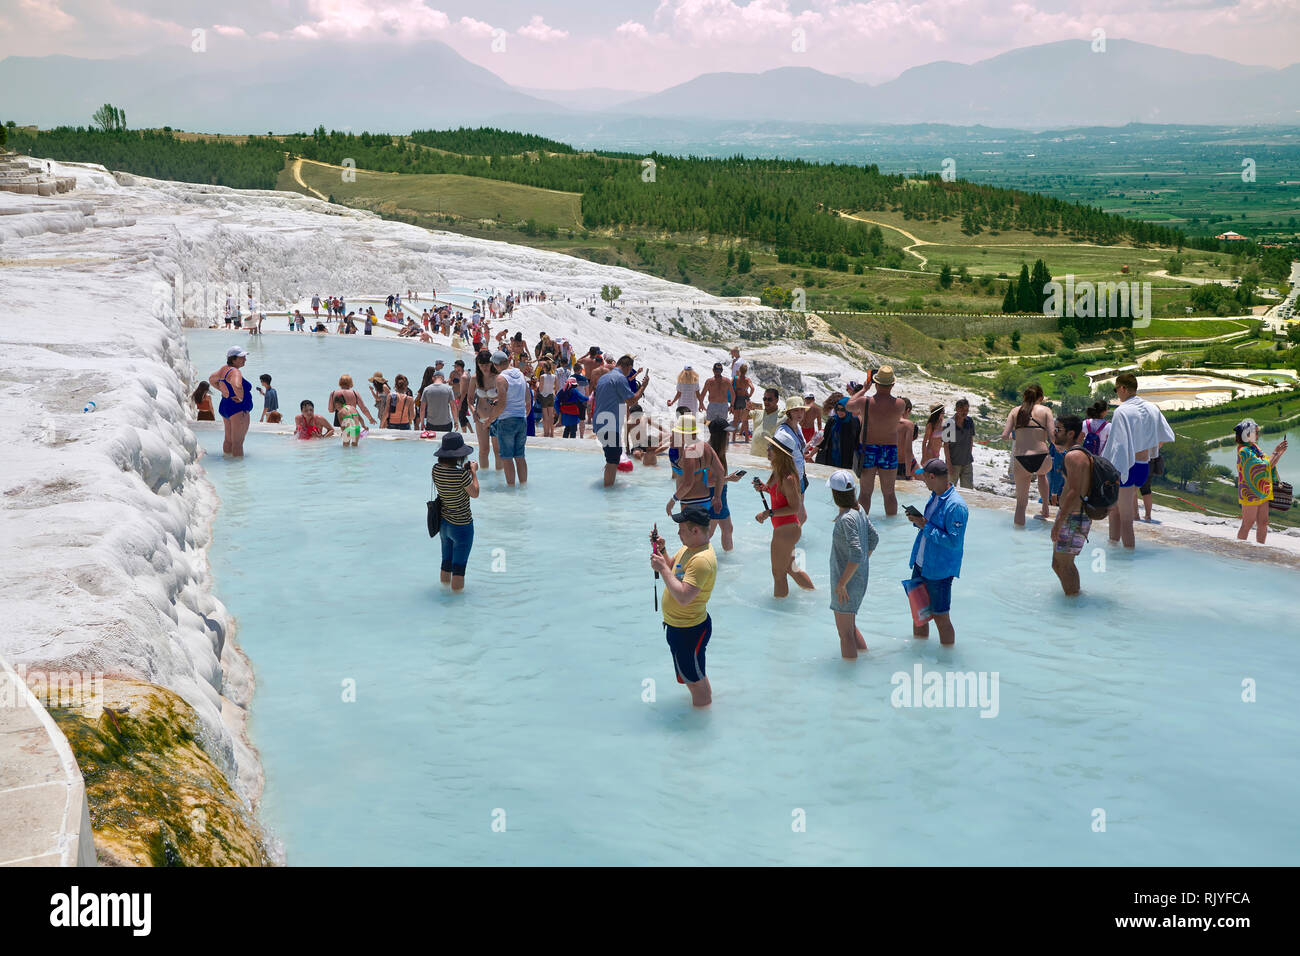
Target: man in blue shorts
point(511, 419)
point(609, 413)
point(688, 581)
point(937, 550)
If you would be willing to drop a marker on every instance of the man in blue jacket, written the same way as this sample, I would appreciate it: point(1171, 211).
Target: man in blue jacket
point(936, 553)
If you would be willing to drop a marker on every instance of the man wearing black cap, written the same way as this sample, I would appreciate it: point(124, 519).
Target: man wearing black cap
point(937, 550)
point(688, 581)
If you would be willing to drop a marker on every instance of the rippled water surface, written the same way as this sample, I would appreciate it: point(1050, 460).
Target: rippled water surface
point(525, 695)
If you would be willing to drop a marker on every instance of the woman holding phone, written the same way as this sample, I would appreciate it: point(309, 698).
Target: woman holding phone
point(786, 502)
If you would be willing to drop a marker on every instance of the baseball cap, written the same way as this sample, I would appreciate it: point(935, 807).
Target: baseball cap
point(936, 466)
point(842, 481)
point(695, 514)
point(500, 358)
point(235, 352)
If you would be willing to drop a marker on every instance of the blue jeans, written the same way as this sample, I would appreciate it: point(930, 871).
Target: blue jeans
point(511, 433)
point(457, 540)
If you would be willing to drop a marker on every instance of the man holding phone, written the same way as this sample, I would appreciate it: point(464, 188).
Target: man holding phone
point(937, 550)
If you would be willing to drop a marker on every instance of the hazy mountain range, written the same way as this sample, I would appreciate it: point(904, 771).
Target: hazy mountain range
point(1055, 85)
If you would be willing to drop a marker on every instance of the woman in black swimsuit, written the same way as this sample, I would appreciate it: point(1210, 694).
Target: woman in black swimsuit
point(1030, 425)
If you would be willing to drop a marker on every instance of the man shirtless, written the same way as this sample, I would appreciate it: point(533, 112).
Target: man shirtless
point(717, 395)
point(880, 414)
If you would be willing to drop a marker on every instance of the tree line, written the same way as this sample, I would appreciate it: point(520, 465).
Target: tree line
point(789, 205)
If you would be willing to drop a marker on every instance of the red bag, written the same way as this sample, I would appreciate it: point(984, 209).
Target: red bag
point(918, 599)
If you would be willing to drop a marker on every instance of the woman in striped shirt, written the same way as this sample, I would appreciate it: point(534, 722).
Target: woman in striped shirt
point(456, 479)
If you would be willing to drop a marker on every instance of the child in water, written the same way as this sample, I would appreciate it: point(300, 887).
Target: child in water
point(349, 421)
point(309, 425)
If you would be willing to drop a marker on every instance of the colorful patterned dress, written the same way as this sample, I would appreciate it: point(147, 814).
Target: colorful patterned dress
point(1254, 476)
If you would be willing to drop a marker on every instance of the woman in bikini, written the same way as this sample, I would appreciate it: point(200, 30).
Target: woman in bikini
point(932, 445)
point(309, 425)
point(352, 396)
point(741, 391)
point(697, 472)
point(236, 401)
point(1031, 426)
point(485, 400)
point(786, 500)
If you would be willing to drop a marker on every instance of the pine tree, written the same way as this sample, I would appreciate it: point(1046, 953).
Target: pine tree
point(1009, 300)
point(1026, 298)
point(945, 277)
point(1039, 281)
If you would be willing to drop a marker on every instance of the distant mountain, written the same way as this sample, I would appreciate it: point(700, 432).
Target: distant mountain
point(240, 91)
point(245, 88)
point(791, 93)
point(1053, 85)
point(588, 100)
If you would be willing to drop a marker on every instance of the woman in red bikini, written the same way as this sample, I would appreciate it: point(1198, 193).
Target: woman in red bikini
point(783, 486)
point(309, 425)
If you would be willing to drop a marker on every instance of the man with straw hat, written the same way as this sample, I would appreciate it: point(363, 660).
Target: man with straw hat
point(880, 414)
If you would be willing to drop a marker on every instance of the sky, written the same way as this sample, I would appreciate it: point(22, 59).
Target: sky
point(653, 44)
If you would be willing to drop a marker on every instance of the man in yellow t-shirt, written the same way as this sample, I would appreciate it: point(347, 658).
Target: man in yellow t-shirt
point(688, 582)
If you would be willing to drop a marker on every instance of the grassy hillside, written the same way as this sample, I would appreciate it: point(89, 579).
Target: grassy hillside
point(460, 197)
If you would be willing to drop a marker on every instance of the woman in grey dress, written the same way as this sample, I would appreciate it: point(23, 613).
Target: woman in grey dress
point(851, 545)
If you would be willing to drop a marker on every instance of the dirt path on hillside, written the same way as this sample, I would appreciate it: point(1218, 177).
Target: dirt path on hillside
point(297, 176)
point(910, 250)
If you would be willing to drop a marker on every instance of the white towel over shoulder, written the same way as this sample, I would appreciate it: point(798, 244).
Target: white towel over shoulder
point(1136, 426)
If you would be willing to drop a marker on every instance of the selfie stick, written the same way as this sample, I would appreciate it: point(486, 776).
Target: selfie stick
point(654, 546)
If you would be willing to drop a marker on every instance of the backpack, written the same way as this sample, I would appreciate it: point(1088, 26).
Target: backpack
point(1092, 439)
point(1104, 489)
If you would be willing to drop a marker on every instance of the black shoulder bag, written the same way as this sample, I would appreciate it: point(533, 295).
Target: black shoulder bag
point(435, 512)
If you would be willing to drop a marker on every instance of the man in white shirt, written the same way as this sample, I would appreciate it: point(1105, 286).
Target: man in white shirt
point(1137, 430)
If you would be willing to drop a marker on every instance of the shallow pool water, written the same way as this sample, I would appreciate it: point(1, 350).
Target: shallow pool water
point(524, 701)
point(306, 366)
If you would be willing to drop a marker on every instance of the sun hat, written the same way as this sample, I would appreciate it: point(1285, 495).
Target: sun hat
point(936, 466)
point(842, 481)
point(695, 514)
point(235, 352)
point(379, 377)
point(500, 358)
point(686, 425)
point(783, 442)
point(794, 402)
point(936, 407)
point(885, 375)
point(453, 446)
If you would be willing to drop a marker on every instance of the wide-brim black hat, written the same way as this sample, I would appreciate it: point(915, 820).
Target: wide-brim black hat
point(453, 446)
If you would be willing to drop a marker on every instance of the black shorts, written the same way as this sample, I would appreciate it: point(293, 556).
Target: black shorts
point(613, 453)
point(687, 645)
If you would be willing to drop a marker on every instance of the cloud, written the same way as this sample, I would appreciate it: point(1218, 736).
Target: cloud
point(370, 19)
point(537, 30)
point(475, 28)
point(229, 31)
point(631, 28)
point(45, 15)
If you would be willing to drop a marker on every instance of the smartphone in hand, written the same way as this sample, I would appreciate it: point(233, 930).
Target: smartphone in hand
point(912, 512)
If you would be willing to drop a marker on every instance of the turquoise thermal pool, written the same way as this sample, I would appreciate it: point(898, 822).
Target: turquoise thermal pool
point(525, 700)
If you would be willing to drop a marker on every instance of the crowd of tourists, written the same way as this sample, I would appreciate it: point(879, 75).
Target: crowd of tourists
point(1086, 469)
